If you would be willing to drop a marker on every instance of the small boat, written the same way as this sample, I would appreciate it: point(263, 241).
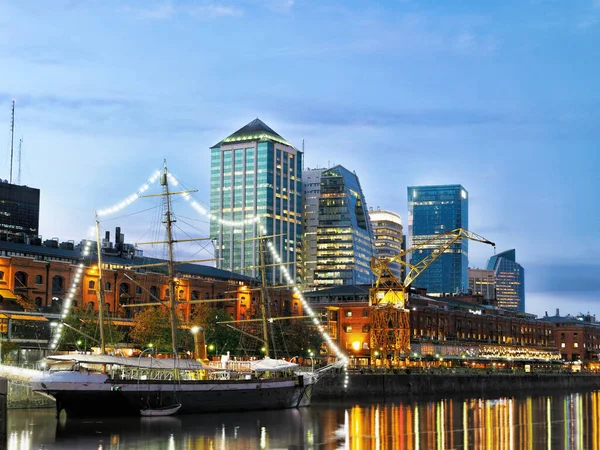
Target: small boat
point(164, 411)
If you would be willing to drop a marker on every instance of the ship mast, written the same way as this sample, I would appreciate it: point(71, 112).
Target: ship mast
point(100, 289)
point(171, 267)
point(263, 295)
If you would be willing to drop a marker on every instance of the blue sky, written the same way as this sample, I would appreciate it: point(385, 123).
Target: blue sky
point(499, 96)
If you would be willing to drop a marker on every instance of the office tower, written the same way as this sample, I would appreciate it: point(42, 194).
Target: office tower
point(387, 231)
point(19, 212)
point(510, 280)
point(433, 210)
point(483, 282)
point(256, 173)
point(311, 180)
point(344, 236)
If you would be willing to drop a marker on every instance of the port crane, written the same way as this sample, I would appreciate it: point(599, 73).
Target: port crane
point(389, 318)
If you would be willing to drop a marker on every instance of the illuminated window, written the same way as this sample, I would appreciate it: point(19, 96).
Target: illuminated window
point(576, 345)
point(348, 313)
point(563, 345)
point(348, 329)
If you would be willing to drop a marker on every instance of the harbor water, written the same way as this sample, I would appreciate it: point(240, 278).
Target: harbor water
point(557, 420)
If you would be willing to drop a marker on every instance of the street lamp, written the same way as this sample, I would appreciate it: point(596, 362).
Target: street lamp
point(149, 349)
point(312, 362)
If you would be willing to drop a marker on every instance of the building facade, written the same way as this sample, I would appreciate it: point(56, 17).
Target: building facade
point(311, 180)
point(483, 282)
point(19, 212)
point(441, 329)
point(510, 280)
point(345, 243)
point(255, 173)
point(389, 240)
point(37, 279)
point(432, 211)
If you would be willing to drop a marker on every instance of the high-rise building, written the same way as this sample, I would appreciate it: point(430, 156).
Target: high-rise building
point(510, 280)
point(344, 235)
point(483, 282)
point(389, 240)
point(311, 180)
point(19, 212)
point(433, 210)
point(256, 173)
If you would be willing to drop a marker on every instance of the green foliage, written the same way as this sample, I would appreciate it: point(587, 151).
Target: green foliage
point(297, 336)
point(7, 349)
point(85, 321)
point(220, 336)
point(152, 326)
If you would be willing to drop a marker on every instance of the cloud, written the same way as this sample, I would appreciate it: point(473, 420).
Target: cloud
point(280, 6)
point(166, 10)
point(378, 117)
point(91, 115)
point(574, 277)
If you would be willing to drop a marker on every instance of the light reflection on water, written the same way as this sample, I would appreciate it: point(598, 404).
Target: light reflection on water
point(558, 421)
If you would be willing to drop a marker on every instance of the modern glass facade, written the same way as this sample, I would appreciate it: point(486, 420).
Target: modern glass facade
point(345, 243)
point(255, 172)
point(433, 210)
point(311, 180)
point(389, 241)
point(19, 211)
point(510, 280)
point(483, 282)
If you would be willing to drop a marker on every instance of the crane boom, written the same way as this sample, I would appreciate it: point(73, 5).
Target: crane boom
point(440, 243)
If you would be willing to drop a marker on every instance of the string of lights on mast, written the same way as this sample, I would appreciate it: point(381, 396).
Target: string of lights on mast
point(201, 210)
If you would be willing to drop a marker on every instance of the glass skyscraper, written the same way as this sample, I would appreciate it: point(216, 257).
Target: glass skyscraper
point(19, 212)
point(510, 280)
point(256, 172)
point(344, 236)
point(389, 240)
point(311, 180)
point(433, 210)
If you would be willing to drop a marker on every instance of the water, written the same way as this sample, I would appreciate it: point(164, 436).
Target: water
point(557, 421)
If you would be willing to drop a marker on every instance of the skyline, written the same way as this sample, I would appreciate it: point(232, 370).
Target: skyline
point(449, 94)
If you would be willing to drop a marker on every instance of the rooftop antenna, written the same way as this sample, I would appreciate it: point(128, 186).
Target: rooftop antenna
point(12, 138)
point(19, 160)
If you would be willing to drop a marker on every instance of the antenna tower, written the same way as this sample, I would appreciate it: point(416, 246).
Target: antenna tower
point(12, 138)
point(19, 160)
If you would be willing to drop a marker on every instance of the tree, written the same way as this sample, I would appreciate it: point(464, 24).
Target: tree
point(222, 337)
point(152, 326)
point(85, 321)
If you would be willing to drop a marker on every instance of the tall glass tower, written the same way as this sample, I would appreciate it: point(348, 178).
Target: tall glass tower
point(344, 236)
point(389, 240)
point(510, 280)
point(433, 210)
point(256, 172)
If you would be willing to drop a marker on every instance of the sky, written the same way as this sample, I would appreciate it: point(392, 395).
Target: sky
point(499, 96)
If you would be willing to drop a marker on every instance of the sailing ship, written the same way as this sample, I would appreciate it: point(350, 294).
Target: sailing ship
point(101, 385)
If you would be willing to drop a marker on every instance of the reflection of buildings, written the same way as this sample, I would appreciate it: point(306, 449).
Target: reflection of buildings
point(256, 173)
point(433, 210)
point(19, 212)
point(344, 234)
point(510, 280)
point(389, 240)
point(483, 282)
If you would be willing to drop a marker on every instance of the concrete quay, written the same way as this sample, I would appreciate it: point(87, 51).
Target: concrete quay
point(378, 386)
